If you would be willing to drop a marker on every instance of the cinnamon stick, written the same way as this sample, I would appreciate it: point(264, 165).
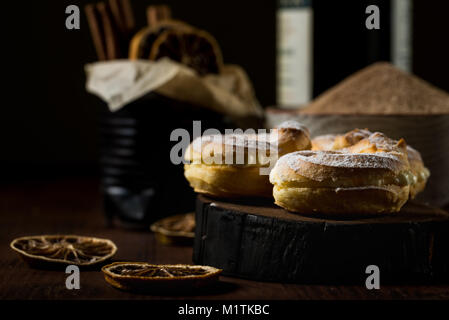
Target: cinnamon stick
point(110, 35)
point(96, 30)
point(118, 16)
point(157, 13)
point(128, 15)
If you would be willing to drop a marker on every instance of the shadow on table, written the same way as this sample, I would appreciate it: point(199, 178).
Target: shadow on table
point(219, 288)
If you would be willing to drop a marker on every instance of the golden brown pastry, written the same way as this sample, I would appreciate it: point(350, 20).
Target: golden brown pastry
point(237, 165)
point(356, 173)
point(364, 141)
point(420, 172)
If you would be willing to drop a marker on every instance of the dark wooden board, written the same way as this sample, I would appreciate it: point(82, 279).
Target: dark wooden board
point(258, 240)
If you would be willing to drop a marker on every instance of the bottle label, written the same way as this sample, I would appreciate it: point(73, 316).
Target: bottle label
point(401, 38)
point(294, 53)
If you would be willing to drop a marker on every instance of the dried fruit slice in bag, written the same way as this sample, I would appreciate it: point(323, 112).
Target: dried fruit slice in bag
point(178, 229)
point(53, 250)
point(142, 276)
point(142, 42)
point(192, 47)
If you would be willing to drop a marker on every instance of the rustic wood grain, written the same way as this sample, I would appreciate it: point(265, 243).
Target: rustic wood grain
point(74, 206)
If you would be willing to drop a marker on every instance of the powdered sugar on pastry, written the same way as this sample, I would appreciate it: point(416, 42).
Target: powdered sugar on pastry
point(237, 164)
point(356, 173)
point(232, 142)
point(341, 160)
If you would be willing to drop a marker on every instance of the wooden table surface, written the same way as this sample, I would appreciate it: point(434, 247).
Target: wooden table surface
point(74, 207)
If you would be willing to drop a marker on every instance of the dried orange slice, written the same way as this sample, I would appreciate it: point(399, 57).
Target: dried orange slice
point(142, 42)
point(192, 47)
point(178, 229)
point(52, 250)
point(142, 276)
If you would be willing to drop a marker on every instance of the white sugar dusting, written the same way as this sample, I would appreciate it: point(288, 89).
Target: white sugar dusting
point(244, 141)
point(362, 133)
point(248, 141)
point(340, 160)
point(381, 141)
point(263, 141)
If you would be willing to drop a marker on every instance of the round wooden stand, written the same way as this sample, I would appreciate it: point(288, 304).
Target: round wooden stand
point(264, 242)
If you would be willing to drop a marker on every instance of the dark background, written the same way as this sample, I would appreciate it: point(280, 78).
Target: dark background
point(49, 122)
